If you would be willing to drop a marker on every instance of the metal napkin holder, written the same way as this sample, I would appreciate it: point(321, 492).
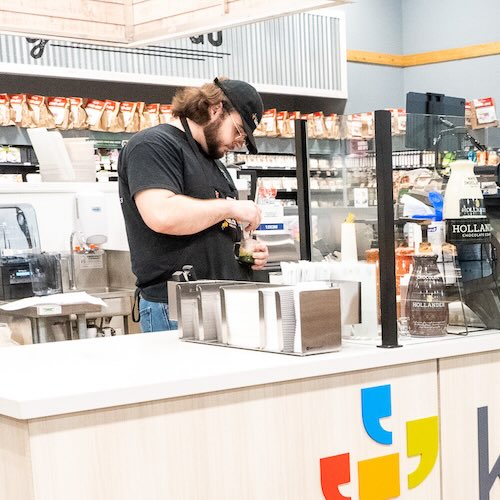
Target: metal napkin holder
point(202, 315)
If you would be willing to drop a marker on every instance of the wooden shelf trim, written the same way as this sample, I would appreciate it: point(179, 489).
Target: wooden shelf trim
point(431, 57)
point(134, 23)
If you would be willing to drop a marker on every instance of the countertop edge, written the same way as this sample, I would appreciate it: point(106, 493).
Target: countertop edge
point(361, 357)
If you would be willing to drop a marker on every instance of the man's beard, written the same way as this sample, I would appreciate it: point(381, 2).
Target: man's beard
point(211, 131)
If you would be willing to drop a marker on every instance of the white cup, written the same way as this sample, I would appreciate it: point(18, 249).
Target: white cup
point(348, 247)
point(91, 332)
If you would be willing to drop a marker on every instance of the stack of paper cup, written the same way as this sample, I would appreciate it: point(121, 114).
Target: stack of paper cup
point(348, 245)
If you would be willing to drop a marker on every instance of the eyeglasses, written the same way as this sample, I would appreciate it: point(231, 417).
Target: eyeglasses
point(241, 135)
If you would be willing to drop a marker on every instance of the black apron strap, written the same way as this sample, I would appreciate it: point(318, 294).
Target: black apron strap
point(136, 310)
point(196, 150)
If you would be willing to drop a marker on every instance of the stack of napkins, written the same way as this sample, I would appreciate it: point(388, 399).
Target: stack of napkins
point(240, 309)
point(302, 318)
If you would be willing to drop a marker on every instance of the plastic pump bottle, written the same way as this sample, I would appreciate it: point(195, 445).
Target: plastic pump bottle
point(463, 197)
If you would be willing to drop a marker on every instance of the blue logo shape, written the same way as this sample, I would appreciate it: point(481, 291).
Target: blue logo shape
point(375, 405)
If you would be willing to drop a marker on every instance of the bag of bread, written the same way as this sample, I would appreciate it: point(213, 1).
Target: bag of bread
point(165, 113)
point(20, 114)
point(5, 110)
point(269, 123)
point(112, 119)
point(150, 116)
point(130, 117)
point(39, 113)
point(292, 116)
point(59, 107)
point(78, 117)
point(95, 110)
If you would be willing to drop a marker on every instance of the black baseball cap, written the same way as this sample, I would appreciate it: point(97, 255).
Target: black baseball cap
point(248, 103)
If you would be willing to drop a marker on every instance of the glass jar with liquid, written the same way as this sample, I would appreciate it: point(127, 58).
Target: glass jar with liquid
point(426, 304)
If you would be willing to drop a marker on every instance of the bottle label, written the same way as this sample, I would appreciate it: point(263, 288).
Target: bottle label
point(472, 207)
point(468, 230)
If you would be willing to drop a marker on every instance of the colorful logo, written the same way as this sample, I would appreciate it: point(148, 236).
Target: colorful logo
point(379, 478)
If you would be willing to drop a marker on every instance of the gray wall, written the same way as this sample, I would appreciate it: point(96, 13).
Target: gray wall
point(444, 24)
point(375, 26)
point(413, 26)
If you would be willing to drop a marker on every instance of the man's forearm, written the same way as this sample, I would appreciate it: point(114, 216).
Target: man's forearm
point(183, 215)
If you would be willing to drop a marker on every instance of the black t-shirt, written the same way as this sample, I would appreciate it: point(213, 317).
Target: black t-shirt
point(161, 157)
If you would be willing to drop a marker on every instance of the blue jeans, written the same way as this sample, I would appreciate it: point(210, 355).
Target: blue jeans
point(154, 316)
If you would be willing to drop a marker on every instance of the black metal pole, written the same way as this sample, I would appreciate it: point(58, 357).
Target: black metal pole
point(303, 189)
point(385, 215)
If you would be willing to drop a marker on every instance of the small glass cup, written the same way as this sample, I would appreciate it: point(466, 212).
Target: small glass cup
point(244, 250)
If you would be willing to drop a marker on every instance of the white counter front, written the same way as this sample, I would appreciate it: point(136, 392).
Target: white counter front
point(151, 417)
point(41, 380)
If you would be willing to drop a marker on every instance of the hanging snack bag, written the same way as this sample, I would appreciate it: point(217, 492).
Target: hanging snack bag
point(310, 125)
point(367, 125)
point(269, 123)
point(282, 123)
point(165, 113)
point(319, 125)
point(130, 117)
point(112, 119)
point(5, 110)
point(332, 124)
point(468, 113)
point(21, 112)
point(260, 131)
point(78, 117)
point(292, 116)
point(354, 126)
point(40, 114)
point(59, 107)
point(140, 112)
point(95, 111)
point(483, 113)
point(401, 120)
point(150, 116)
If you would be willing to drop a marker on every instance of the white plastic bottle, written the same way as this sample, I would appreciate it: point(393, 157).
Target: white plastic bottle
point(463, 197)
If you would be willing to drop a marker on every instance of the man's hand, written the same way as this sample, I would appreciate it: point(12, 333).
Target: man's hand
point(260, 255)
point(248, 212)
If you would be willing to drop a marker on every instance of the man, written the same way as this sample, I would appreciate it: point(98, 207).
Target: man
point(179, 202)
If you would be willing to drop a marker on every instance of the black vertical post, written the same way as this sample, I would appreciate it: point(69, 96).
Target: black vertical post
point(303, 190)
point(385, 216)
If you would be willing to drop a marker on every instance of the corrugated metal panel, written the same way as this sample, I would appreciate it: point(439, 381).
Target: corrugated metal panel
point(301, 51)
